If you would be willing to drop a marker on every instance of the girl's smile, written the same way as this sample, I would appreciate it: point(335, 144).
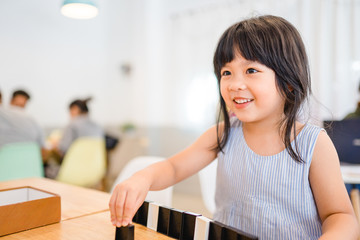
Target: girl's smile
point(242, 102)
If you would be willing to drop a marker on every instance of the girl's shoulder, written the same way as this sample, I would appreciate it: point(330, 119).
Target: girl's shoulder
point(306, 129)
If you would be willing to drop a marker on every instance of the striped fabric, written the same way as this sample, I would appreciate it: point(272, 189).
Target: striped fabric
point(267, 196)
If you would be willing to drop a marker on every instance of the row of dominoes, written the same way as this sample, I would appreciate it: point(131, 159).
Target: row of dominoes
point(180, 225)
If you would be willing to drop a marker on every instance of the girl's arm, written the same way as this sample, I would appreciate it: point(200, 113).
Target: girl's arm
point(332, 200)
point(130, 194)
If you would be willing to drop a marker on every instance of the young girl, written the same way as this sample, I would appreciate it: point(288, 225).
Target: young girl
point(277, 178)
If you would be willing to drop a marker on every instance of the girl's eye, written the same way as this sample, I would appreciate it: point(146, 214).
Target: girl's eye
point(251, 70)
point(225, 73)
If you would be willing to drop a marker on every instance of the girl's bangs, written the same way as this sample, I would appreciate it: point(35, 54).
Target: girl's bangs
point(248, 46)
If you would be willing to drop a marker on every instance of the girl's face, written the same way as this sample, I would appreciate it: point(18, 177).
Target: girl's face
point(249, 91)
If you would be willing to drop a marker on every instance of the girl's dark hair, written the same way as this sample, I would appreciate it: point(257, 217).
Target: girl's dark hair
point(81, 104)
point(275, 43)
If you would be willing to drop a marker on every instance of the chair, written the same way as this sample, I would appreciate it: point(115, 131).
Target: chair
point(163, 197)
point(20, 160)
point(84, 164)
point(207, 177)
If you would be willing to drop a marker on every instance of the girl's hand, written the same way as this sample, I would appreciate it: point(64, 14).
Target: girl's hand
point(130, 194)
point(127, 198)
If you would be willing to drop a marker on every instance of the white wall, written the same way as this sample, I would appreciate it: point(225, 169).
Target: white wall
point(55, 58)
point(169, 46)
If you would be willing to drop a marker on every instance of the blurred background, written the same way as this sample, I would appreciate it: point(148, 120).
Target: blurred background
point(148, 64)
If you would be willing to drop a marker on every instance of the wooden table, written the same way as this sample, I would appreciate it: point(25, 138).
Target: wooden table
point(75, 201)
point(95, 226)
point(84, 213)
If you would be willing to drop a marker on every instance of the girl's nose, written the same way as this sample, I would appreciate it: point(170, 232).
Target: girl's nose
point(237, 84)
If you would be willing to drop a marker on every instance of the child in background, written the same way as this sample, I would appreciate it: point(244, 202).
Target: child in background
point(80, 125)
point(277, 178)
point(59, 141)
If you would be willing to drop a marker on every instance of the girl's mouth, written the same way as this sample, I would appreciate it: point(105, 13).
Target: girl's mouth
point(242, 100)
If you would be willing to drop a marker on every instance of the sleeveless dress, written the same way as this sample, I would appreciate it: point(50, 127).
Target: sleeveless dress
point(267, 196)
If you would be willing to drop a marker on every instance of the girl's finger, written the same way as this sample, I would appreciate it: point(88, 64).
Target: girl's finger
point(129, 208)
point(119, 206)
point(112, 204)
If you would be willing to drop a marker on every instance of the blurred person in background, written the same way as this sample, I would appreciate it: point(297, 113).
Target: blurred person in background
point(80, 125)
point(17, 126)
point(19, 98)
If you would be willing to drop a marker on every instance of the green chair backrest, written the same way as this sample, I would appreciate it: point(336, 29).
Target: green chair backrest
point(20, 160)
point(84, 164)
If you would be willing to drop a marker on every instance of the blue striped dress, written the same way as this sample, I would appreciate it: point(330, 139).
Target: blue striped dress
point(267, 196)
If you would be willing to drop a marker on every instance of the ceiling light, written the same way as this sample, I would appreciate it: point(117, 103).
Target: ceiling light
point(79, 9)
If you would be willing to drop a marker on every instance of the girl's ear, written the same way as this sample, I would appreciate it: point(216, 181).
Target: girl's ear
point(290, 87)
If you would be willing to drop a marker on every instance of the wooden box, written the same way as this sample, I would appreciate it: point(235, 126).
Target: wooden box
point(27, 207)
